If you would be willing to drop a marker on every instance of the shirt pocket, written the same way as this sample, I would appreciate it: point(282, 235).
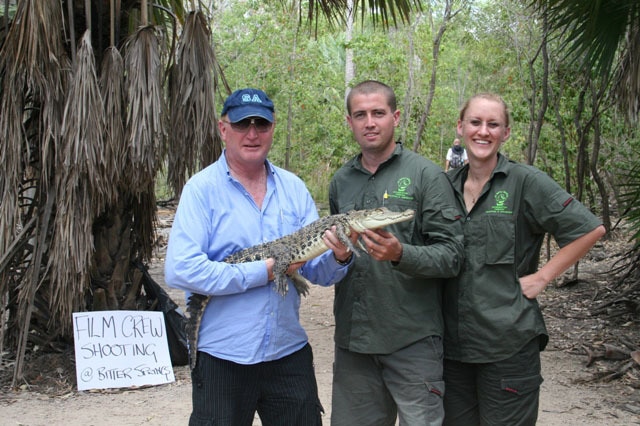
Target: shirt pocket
point(399, 205)
point(290, 221)
point(450, 214)
point(500, 240)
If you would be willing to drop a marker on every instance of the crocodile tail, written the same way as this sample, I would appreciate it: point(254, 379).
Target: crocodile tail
point(195, 308)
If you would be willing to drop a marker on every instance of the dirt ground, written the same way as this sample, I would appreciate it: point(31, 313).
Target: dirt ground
point(575, 391)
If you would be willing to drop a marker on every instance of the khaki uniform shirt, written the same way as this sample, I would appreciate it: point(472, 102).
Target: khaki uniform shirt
point(381, 307)
point(487, 317)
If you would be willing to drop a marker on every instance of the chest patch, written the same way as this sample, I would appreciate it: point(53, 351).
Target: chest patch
point(500, 206)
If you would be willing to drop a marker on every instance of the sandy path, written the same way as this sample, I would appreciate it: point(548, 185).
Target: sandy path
point(562, 402)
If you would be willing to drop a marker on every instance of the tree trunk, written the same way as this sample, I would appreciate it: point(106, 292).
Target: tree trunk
point(537, 118)
point(435, 53)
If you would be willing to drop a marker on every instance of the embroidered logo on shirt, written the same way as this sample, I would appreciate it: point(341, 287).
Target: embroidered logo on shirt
point(499, 207)
point(401, 192)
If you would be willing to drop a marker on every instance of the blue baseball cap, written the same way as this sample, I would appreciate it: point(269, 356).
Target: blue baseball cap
point(246, 103)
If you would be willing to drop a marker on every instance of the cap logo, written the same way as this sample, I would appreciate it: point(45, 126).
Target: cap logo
point(248, 98)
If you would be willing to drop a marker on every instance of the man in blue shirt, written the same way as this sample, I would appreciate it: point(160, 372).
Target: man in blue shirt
point(253, 354)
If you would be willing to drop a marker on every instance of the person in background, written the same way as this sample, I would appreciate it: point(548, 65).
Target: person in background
point(253, 354)
point(456, 156)
point(494, 327)
point(389, 327)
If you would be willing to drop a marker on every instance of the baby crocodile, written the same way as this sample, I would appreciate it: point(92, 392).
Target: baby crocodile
point(300, 246)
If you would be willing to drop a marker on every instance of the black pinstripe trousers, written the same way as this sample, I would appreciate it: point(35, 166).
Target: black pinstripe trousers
point(283, 392)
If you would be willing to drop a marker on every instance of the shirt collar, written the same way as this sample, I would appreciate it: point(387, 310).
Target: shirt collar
point(503, 166)
point(223, 160)
point(357, 163)
point(458, 176)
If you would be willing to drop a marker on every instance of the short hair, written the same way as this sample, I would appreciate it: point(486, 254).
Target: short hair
point(368, 87)
point(490, 97)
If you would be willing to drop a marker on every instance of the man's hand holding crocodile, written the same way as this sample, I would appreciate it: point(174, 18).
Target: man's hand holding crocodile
point(341, 252)
point(382, 245)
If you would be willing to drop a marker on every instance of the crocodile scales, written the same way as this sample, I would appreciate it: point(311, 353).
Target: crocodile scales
point(300, 246)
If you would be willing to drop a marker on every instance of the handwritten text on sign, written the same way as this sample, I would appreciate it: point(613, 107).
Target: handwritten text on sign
point(120, 349)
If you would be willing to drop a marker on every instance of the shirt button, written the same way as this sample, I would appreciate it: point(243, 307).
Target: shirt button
point(468, 218)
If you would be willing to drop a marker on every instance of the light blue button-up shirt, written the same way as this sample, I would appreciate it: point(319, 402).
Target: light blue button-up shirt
point(246, 320)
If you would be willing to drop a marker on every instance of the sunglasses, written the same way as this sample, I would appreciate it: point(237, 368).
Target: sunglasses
point(262, 125)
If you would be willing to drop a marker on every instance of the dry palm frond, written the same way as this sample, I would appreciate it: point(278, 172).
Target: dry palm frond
point(32, 82)
point(194, 138)
point(34, 41)
point(31, 281)
point(144, 124)
point(31, 63)
point(36, 56)
point(28, 64)
point(112, 88)
point(11, 157)
point(81, 187)
point(83, 128)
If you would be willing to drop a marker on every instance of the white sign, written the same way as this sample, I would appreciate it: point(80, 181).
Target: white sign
point(117, 349)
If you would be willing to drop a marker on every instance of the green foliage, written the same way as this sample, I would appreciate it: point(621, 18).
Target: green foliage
point(491, 46)
point(256, 48)
point(630, 197)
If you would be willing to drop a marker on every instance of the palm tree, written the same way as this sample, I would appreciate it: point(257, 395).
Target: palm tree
point(84, 132)
point(79, 203)
point(605, 37)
